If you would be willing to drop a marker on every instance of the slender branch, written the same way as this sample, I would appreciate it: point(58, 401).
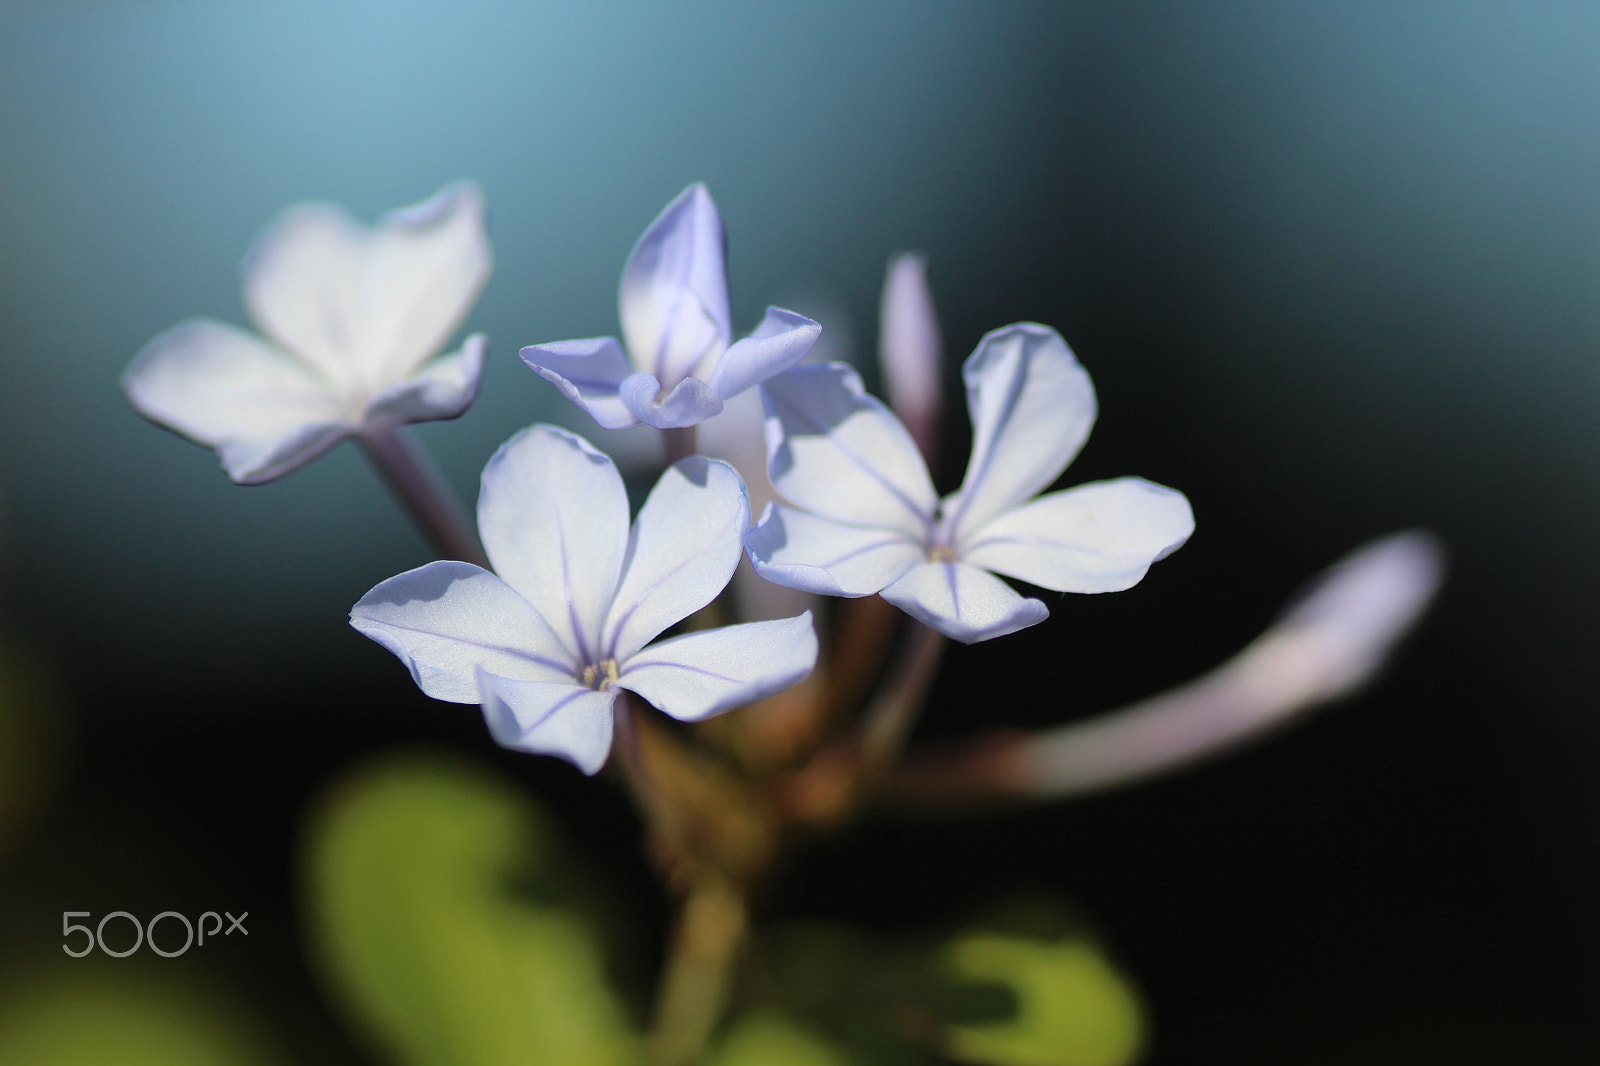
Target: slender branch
point(625, 745)
point(828, 788)
point(862, 632)
point(1326, 645)
point(415, 480)
point(888, 720)
point(678, 442)
point(712, 926)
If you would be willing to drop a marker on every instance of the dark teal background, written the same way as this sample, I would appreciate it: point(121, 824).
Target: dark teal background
point(1335, 270)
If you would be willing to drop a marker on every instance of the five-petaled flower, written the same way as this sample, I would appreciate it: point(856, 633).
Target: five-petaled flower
point(679, 365)
point(866, 518)
point(351, 314)
point(566, 620)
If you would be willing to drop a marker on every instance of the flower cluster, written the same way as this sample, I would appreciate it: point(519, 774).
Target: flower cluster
point(563, 615)
point(569, 615)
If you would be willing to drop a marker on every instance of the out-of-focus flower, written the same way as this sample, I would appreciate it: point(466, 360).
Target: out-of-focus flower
point(866, 519)
point(909, 349)
point(1327, 644)
point(679, 366)
point(352, 315)
point(546, 645)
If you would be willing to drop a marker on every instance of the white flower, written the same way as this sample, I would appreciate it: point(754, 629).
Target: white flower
point(351, 314)
point(866, 519)
point(679, 365)
point(545, 645)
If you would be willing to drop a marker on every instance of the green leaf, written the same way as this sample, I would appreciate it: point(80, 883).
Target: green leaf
point(414, 865)
point(766, 1039)
point(137, 1016)
point(1072, 1006)
point(1026, 986)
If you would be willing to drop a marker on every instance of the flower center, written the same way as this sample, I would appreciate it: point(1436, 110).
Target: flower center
point(941, 553)
point(600, 676)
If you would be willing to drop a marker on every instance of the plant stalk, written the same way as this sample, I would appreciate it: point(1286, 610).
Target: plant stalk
point(414, 479)
point(712, 926)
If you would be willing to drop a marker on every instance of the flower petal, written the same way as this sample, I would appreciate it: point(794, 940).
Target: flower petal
point(303, 281)
point(368, 306)
point(255, 462)
point(589, 373)
point(448, 619)
point(442, 389)
point(963, 602)
point(735, 436)
point(429, 263)
point(217, 385)
point(802, 551)
point(1100, 537)
point(565, 720)
point(553, 516)
point(682, 551)
point(674, 293)
point(838, 452)
point(1032, 407)
point(690, 402)
point(699, 675)
point(781, 340)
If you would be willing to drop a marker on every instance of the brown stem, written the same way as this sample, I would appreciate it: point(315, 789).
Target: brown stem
point(888, 720)
point(415, 481)
point(982, 772)
point(828, 788)
point(679, 443)
point(862, 632)
point(712, 926)
point(625, 745)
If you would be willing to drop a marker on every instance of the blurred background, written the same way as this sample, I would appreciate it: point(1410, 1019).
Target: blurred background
point(1333, 268)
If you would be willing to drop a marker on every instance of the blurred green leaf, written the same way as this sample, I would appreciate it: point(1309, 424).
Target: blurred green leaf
point(766, 1039)
point(414, 866)
point(1026, 986)
point(138, 1017)
point(1073, 1007)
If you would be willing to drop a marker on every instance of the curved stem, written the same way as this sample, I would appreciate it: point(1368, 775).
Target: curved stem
point(625, 744)
point(413, 477)
point(1330, 641)
point(679, 443)
point(830, 786)
point(888, 720)
point(712, 927)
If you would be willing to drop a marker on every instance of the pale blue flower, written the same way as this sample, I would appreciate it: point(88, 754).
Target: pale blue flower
point(865, 517)
point(679, 366)
point(546, 641)
point(352, 315)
